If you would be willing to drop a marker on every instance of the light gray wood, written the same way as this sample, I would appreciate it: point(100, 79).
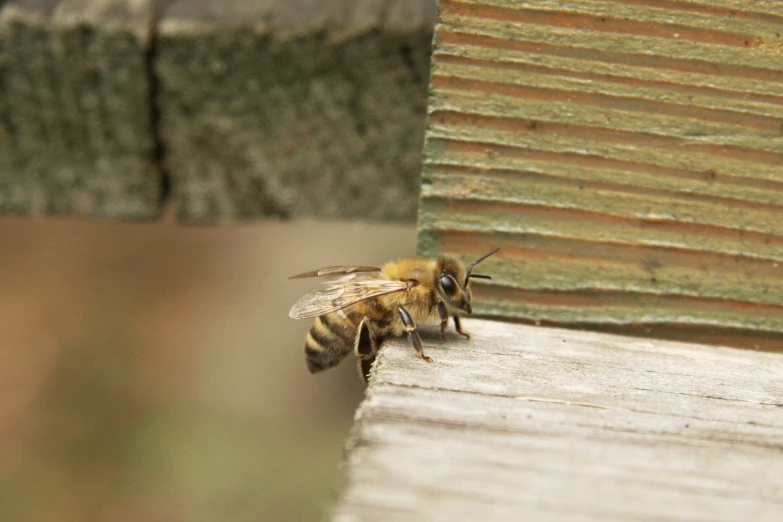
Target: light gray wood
point(299, 109)
point(76, 129)
point(533, 423)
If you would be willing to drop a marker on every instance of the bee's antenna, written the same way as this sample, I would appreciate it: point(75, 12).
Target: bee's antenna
point(474, 263)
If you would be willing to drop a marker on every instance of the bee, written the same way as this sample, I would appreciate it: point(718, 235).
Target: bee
point(360, 306)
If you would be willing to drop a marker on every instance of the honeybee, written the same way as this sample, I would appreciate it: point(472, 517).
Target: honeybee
point(360, 306)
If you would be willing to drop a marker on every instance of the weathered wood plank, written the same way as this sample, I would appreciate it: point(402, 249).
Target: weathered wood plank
point(526, 423)
point(75, 119)
point(627, 157)
point(294, 109)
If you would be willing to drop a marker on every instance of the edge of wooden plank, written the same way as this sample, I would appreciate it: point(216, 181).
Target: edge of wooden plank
point(522, 407)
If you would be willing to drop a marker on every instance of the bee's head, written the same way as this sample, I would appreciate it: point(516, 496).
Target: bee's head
point(452, 281)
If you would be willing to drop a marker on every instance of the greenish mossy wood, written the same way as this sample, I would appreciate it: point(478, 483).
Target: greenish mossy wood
point(237, 110)
point(300, 109)
point(627, 157)
point(75, 119)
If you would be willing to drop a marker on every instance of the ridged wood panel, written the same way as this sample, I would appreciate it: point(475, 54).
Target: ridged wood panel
point(625, 155)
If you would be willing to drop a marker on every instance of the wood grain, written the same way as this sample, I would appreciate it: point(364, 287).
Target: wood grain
point(298, 109)
point(526, 423)
point(75, 121)
point(626, 156)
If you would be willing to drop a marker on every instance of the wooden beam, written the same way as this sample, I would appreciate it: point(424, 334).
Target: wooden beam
point(308, 108)
point(238, 110)
point(527, 423)
point(75, 119)
point(627, 157)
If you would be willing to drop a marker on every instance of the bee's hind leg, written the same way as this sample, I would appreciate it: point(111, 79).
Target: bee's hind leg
point(458, 327)
point(413, 335)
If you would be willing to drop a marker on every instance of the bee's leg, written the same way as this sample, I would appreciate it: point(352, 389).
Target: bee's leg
point(365, 350)
point(444, 319)
point(458, 326)
point(413, 335)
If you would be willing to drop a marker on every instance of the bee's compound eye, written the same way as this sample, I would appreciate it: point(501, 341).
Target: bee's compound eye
point(448, 285)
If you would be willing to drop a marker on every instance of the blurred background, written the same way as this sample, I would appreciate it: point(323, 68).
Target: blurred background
point(150, 372)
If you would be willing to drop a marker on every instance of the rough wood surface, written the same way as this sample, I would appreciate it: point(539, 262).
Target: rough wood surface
point(306, 108)
point(234, 109)
point(75, 120)
point(533, 423)
point(627, 157)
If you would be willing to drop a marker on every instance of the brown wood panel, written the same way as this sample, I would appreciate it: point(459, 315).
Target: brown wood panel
point(626, 156)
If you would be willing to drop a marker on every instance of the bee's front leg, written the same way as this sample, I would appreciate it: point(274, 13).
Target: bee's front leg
point(458, 327)
point(444, 319)
point(413, 335)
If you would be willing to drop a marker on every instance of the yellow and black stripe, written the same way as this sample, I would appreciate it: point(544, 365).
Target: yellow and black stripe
point(329, 340)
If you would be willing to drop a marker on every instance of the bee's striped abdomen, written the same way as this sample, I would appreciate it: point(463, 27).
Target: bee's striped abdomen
point(329, 340)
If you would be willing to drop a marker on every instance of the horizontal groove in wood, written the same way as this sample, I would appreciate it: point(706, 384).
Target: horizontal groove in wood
point(481, 108)
point(591, 71)
point(721, 335)
point(761, 62)
point(764, 85)
point(758, 10)
point(614, 205)
point(535, 261)
point(442, 214)
point(461, 73)
point(405, 401)
point(612, 307)
point(723, 329)
point(554, 138)
point(407, 406)
point(727, 27)
point(621, 308)
point(475, 158)
point(610, 184)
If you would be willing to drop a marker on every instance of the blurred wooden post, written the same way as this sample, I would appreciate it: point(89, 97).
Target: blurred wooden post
point(626, 157)
point(76, 123)
point(227, 110)
point(294, 109)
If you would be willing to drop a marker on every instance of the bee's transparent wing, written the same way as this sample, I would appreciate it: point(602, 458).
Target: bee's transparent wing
point(336, 270)
point(341, 292)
